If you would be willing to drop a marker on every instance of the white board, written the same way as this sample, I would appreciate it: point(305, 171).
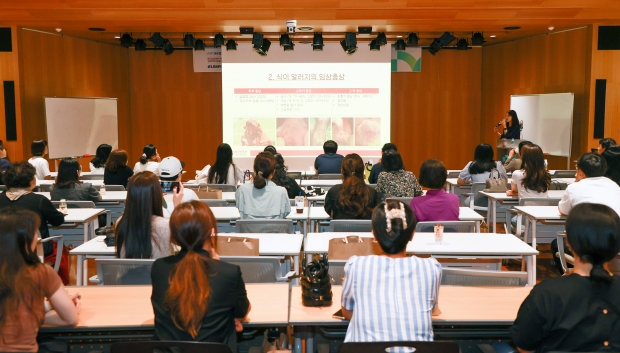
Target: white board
point(77, 126)
point(547, 120)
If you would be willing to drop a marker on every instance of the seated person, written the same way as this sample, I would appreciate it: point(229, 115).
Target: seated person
point(513, 162)
point(26, 282)
point(374, 286)
point(579, 312)
point(352, 199)
point(97, 164)
point(604, 144)
point(68, 185)
point(171, 169)
point(224, 171)
point(394, 181)
point(612, 158)
point(437, 204)
point(376, 168)
point(532, 180)
point(282, 179)
point(590, 186)
point(479, 170)
point(149, 160)
point(117, 172)
point(4, 162)
point(329, 162)
point(263, 198)
point(142, 232)
point(38, 149)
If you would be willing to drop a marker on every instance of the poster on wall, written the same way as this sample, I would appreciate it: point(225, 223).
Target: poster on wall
point(408, 60)
point(208, 60)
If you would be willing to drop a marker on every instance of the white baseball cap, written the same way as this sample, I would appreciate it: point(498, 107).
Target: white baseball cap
point(170, 166)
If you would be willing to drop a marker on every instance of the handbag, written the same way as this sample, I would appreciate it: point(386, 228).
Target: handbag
point(316, 286)
point(494, 184)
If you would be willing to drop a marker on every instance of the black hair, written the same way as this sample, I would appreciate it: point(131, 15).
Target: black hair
point(593, 233)
point(330, 146)
point(264, 165)
point(391, 161)
point(103, 152)
point(37, 147)
point(218, 173)
point(483, 159)
point(68, 171)
point(514, 119)
point(147, 152)
point(607, 142)
point(523, 143)
point(592, 165)
point(612, 158)
point(388, 147)
point(433, 174)
point(394, 241)
point(1, 145)
point(270, 148)
point(280, 178)
point(19, 175)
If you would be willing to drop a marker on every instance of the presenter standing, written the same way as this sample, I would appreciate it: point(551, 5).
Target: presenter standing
point(510, 128)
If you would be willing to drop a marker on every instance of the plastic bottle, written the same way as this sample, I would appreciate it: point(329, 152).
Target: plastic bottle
point(546, 165)
point(102, 189)
point(63, 205)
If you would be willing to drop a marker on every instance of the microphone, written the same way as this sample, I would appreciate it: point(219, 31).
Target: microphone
point(500, 123)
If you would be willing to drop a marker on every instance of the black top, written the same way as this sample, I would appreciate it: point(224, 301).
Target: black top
point(42, 206)
point(513, 132)
point(332, 208)
point(118, 178)
point(75, 192)
point(569, 313)
point(228, 300)
point(292, 188)
point(374, 173)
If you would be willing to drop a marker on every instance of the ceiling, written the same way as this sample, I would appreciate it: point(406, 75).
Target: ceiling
point(204, 18)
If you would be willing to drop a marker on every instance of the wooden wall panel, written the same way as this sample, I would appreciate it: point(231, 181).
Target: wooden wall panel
point(9, 71)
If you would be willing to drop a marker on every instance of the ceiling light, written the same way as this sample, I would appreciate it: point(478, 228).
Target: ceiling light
point(477, 39)
point(126, 40)
point(140, 44)
point(412, 39)
point(317, 41)
point(349, 43)
point(462, 44)
point(200, 45)
point(260, 44)
point(400, 45)
point(161, 42)
point(374, 46)
point(492, 36)
point(117, 37)
point(218, 40)
point(285, 40)
point(440, 42)
point(381, 39)
point(189, 40)
point(231, 45)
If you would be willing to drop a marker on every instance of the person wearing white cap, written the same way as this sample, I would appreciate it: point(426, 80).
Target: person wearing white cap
point(171, 169)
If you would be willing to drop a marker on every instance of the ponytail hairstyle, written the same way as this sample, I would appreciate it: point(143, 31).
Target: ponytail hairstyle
point(192, 224)
point(536, 178)
point(393, 223)
point(354, 197)
point(593, 233)
point(147, 152)
point(103, 152)
point(264, 165)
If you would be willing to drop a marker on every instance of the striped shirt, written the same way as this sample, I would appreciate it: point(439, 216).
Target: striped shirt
point(391, 299)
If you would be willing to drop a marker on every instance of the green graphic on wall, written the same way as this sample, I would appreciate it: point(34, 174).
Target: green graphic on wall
point(409, 60)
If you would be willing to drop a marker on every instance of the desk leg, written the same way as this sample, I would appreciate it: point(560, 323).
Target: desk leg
point(534, 246)
point(301, 333)
point(531, 270)
point(494, 216)
point(80, 269)
point(477, 226)
point(297, 270)
point(86, 233)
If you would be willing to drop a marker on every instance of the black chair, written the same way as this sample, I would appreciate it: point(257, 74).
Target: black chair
point(404, 346)
point(169, 346)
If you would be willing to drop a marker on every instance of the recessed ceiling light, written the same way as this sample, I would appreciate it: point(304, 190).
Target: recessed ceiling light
point(96, 29)
point(492, 36)
point(512, 28)
point(305, 29)
point(117, 37)
point(399, 36)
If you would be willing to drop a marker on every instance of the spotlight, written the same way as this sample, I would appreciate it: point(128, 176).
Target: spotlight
point(434, 47)
point(317, 41)
point(381, 39)
point(218, 40)
point(140, 44)
point(231, 45)
point(412, 39)
point(400, 45)
point(260, 44)
point(200, 45)
point(161, 42)
point(374, 46)
point(477, 39)
point(189, 40)
point(286, 42)
point(167, 47)
point(440, 42)
point(126, 40)
point(349, 43)
point(462, 44)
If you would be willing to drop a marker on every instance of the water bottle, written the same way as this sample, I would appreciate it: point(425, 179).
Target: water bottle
point(546, 165)
point(512, 143)
point(102, 189)
point(62, 207)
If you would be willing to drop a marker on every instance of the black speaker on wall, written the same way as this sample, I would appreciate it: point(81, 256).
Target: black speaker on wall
point(6, 42)
point(609, 38)
point(600, 91)
point(9, 110)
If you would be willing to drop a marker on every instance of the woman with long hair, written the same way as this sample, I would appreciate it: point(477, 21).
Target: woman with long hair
point(580, 311)
point(263, 198)
point(97, 164)
point(612, 157)
point(513, 161)
point(197, 297)
point(394, 180)
point(352, 199)
point(532, 180)
point(24, 284)
point(117, 172)
point(478, 170)
point(511, 128)
point(142, 232)
point(149, 160)
point(224, 170)
point(282, 179)
point(68, 185)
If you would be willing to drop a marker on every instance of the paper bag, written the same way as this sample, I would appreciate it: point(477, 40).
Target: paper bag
point(208, 193)
point(344, 248)
point(236, 246)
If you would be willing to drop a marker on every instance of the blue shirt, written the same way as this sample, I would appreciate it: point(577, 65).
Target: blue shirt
point(270, 202)
point(328, 163)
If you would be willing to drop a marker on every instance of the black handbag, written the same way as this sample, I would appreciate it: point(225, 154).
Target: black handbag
point(316, 286)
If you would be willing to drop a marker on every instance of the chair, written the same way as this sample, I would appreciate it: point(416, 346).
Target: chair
point(92, 176)
point(265, 226)
point(454, 174)
point(330, 176)
point(115, 188)
point(215, 203)
point(44, 188)
point(557, 185)
point(405, 200)
point(124, 271)
point(59, 244)
point(449, 227)
point(169, 346)
point(294, 175)
point(336, 271)
point(478, 202)
point(466, 277)
point(403, 346)
point(564, 173)
point(223, 187)
point(259, 269)
point(374, 186)
point(76, 204)
point(2, 187)
point(350, 225)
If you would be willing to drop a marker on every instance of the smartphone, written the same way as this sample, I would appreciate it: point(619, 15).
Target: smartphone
point(167, 186)
point(338, 315)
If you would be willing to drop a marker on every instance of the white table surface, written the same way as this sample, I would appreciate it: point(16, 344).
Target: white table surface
point(96, 183)
point(501, 196)
point(321, 182)
point(465, 214)
point(565, 180)
point(541, 212)
point(110, 196)
point(53, 175)
point(81, 215)
point(225, 213)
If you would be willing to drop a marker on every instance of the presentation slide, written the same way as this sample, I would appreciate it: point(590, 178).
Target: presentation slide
point(298, 100)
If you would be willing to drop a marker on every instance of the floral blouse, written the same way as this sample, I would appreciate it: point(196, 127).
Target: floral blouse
point(398, 184)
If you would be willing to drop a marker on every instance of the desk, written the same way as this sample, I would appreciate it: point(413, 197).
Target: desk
point(110, 196)
point(53, 175)
point(95, 183)
point(327, 183)
point(565, 180)
point(113, 201)
point(545, 214)
point(503, 199)
point(84, 216)
point(452, 186)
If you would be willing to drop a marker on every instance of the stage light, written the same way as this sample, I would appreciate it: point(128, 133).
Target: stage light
point(381, 39)
point(126, 40)
point(218, 40)
point(161, 42)
point(349, 43)
point(260, 44)
point(440, 42)
point(477, 39)
point(462, 44)
point(167, 47)
point(412, 40)
point(317, 41)
point(140, 44)
point(231, 45)
point(286, 42)
point(400, 45)
point(374, 46)
point(189, 40)
point(200, 45)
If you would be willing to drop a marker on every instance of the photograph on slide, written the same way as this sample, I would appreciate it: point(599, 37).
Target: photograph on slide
point(342, 131)
point(254, 131)
point(292, 132)
point(367, 131)
point(320, 131)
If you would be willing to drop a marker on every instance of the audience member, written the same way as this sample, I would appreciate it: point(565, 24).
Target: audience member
point(68, 185)
point(612, 158)
point(604, 144)
point(97, 164)
point(578, 312)
point(513, 162)
point(352, 199)
point(532, 180)
point(437, 204)
point(376, 168)
point(394, 181)
point(4, 162)
point(478, 170)
point(263, 198)
point(171, 169)
point(116, 171)
point(38, 149)
point(197, 297)
point(224, 170)
point(25, 283)
point(148, 161)
point(591, 186)
point(329, 162)
point(142, 232)
point(282, 179)
point(270, 149)
point(375, 285)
